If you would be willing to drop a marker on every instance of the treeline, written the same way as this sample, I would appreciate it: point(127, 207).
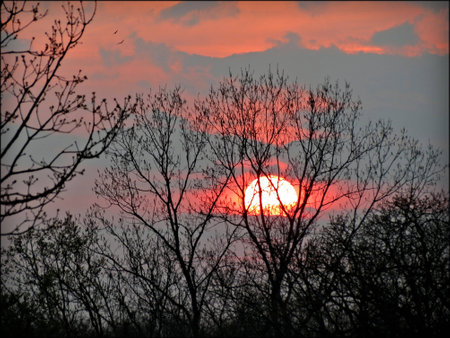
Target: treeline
point(390, 278)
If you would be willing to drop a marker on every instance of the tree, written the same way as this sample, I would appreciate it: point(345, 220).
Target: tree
point(161, 183)
point(390, 278)
point(405, 245)
point(268, 126)
point(42, 108)
point(57, 281)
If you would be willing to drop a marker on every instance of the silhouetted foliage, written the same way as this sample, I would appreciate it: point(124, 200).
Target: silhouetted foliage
point(391, 278)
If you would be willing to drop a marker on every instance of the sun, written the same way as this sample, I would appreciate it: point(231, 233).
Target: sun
point(275, 193)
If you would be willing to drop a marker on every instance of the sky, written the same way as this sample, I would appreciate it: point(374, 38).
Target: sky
point(395, 55)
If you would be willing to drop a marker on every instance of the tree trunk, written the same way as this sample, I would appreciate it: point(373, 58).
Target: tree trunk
point(195, 323)
point(276, 306)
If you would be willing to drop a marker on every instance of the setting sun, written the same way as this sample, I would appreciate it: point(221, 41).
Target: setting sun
point(275, 193)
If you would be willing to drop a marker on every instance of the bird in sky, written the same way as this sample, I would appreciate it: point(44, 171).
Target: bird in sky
point(116, 31)
point(121, 42)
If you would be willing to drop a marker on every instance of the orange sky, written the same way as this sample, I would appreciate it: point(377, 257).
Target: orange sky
point(242, 27)
point(221, 29)
point(224, 29)
point(382, 48)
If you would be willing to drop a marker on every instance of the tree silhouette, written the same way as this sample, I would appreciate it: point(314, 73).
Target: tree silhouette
point(160, 180)
point(42, 108)
point(61, 277)
point(267, 126)
point(390, 278)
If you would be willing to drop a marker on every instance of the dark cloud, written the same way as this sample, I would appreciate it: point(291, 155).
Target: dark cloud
point(312, 7)
point(403, 89)
point(398, 36)
point(435, 6)
point(162, 56)
point(291, 37)
point(159, 53)
point(189, 12)
point(144, 84)
point(181, 9)
point(113, 57)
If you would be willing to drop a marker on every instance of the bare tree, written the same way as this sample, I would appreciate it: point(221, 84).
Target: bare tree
point(267, 126)
point(160, 182)
point(47, 127)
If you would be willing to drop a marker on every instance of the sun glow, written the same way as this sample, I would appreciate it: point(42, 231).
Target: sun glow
point(272, 194)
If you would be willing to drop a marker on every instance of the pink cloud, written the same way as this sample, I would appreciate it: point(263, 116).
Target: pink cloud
point(432, 28)
point(242, 27)
point(257, 27)
point(222, 30)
